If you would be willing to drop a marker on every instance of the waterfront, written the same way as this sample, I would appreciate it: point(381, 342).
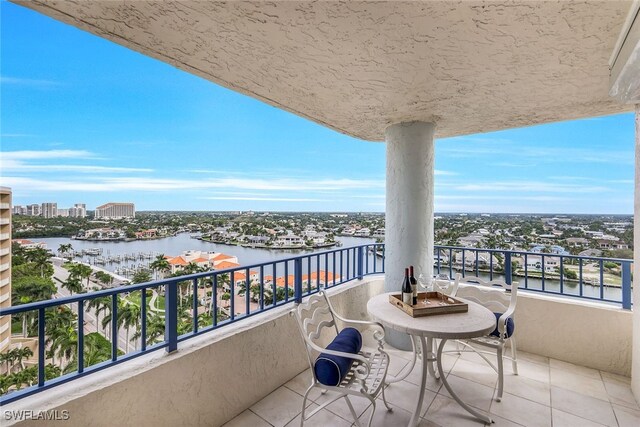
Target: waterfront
point(248, 256)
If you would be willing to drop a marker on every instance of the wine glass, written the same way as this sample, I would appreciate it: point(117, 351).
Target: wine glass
point(442, 282)
point(423, 284)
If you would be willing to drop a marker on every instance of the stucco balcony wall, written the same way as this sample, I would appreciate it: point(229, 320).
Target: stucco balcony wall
point(213, 378)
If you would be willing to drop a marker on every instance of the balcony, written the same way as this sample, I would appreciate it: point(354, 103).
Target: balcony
point(249, 367)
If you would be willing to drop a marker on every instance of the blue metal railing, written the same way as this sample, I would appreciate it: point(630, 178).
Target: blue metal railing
point(594, 278)
point(269, 285)
point(311, 273)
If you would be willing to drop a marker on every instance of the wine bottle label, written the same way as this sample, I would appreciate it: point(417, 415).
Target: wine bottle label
point(407, 298)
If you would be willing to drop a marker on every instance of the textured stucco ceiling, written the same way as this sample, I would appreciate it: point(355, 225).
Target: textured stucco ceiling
point(357, 67)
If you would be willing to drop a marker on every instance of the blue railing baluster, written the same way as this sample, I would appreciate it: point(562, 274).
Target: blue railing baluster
point(580, 273)
point(286, 280)
point(464, 265)
point(232, 293)
point(561, 274)
point(171, 316)
point(247, 293)
point(490, 265)
point(114, 328)
point(143, 319)
point(262, 287)
point(508, 274)
point(214, 295)
point(626, 285)
point(297, 288)
point(543, 270)
point(41, 347)
point(360, 272)
point(450, 263)
point(274, 285)
point(601, 279)
point(308, 274)
point(194, 301)
point(80, 336)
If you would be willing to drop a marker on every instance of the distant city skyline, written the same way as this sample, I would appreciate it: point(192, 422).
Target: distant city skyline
point(86, 119)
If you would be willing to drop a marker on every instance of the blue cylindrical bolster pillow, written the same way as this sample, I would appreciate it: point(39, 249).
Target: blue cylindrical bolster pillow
point(329, 369)
point(510, 326)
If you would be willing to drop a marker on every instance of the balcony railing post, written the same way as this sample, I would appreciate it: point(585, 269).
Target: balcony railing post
point(297, 286)
point(626, 285)
point(171, 316)
point(360, 262)
point(507, 268)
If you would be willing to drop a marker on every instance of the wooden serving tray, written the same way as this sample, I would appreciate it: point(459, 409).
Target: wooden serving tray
point(429, 304)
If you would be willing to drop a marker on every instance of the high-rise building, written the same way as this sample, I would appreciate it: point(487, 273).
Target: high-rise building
point(19, 210)
point(5, 266)
point(79, 210)
point(49, 210)
point(63, 212)
point(116, 211)
point(33, 210)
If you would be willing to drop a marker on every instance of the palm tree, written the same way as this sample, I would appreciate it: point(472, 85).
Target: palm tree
point(160, 265)
point(155, 329)
point(129, 315)
point(100, 304)
point(73, 284)
point(103, 277)
point(30, 289)
point(40, 257)
point(23, 353)
point(65, 342)
point(81, 271)
point(141, 276)
point(56, 319)
point(65, 248)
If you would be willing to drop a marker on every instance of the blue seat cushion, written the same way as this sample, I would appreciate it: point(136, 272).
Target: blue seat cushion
point(329, 369)
point(510, 326)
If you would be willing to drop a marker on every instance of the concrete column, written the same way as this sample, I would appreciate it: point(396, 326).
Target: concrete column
point(635, 358)
point(409, 207)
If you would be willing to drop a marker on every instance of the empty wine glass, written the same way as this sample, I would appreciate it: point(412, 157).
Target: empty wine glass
point(442, 282)
point(424, 285)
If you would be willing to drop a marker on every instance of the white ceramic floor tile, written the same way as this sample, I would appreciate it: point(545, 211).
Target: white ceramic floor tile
point(522, 411)
point(322, 418)
point(534, 371)
point(587, 385)
point(301, 382)
point(446, 412)
point(565, 419)
point(531, 357)
point(576, 369)
point(340, 407)
point(471, 393)
point(482, 374)
point(583, 406)
point(396, 364)
point(247, 419)
point(609, 377)
point(384, 418)
point(627, 417)
point(621, 394)
point(530, 389)
point(403, 394)
point(280, 407)
point(501, 422)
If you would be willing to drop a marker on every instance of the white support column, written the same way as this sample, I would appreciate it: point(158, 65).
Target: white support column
point(635, 358)
point(409, 206)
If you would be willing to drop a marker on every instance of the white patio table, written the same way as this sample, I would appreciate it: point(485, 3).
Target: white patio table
point(478, 321)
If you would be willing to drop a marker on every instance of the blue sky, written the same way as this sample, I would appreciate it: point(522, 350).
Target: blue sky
point(84, 120)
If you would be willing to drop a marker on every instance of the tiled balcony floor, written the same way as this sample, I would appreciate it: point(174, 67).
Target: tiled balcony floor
point(547, 392)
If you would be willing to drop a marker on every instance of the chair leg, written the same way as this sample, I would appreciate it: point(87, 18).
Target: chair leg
point(500, 374)
point(353, 411)
point(384, 400)
point(514, 355)
point(373, 411)
point(304, 406)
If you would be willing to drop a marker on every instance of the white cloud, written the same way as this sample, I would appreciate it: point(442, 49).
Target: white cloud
point(21, 81)
point(265, 199)
point(46, 154)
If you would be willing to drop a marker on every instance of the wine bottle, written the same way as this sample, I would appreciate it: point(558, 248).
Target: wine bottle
point(407, 294)
point(414, 285)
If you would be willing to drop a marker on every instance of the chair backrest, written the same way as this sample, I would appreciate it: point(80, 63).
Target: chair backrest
point(496, 295)
point(316, 322)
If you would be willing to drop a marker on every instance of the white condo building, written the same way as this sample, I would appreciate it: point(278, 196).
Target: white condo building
point(116, 211)
point(49, 210)
point(5, 265)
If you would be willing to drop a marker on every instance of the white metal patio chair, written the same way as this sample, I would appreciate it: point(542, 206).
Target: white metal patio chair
point(500, 298)
point(316, 319)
